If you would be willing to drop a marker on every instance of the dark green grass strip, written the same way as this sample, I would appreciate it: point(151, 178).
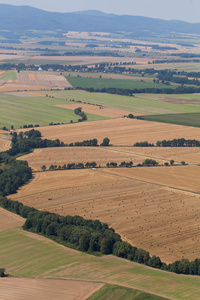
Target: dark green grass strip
point(188, 119)
point(109, 292)
point(99, 83)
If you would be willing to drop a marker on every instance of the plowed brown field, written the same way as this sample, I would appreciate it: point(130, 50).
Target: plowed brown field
point(162, 220)
point(120, 131)
point(61, 156)
point(9, 220)
point(46, 289)
point(96, 110)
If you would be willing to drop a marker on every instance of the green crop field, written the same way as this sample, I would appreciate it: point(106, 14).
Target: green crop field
point(109, 292)
point(187, 66)
point(99, 83)
point(149, 104)
point(192, 119)
point(25, 254)
point(10, 75)
point(19, 111)
point(125, 76)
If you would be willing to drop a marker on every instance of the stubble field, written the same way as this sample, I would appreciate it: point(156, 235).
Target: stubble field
point(104, 155)
point(191, 155)
point(46, 289)
point(9, 220)
point(63, 155)
point(4, 140)
point(124, 132)
point(100, 110)
point(159, 219)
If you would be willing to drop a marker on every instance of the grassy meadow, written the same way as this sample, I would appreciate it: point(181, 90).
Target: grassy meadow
point(25, 254)
point(149, 104)
point(19, 111)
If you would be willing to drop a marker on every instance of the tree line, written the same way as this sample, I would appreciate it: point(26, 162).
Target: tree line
point(123, 164)
point(131, 92)
point(178, 143)
point(23, 142)
point(170, 143)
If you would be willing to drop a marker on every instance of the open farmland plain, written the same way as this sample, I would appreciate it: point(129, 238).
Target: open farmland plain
point(104, 155)
point(21, 108)
point(123, 131)
point(18, 246)
point(179, 177)
point(61, 156)
point(149, 104)
point(72, 60)
point(100, 110)
point(32, 81)
point(149, 216)
point(191, 155)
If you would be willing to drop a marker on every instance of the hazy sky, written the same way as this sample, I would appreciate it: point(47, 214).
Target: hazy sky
point(187, 10)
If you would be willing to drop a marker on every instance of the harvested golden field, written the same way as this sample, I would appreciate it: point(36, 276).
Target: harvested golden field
point(65, 155)
point(162, 220)
point(4, 141)
point(119, 131)
point(100, 110)
point(191, 155)
point(34, 93)
point(4, 144)
point(9, 220)
point(179, 177)
point(46, 289)
point(104, 155)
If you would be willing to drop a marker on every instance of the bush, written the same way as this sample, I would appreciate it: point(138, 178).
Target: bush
point(2, 272)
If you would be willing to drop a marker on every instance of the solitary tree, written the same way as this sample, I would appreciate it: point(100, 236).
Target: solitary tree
point(43, 168)
point(105, 142)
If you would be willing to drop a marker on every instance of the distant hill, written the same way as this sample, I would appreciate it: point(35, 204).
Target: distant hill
point(21, 18)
